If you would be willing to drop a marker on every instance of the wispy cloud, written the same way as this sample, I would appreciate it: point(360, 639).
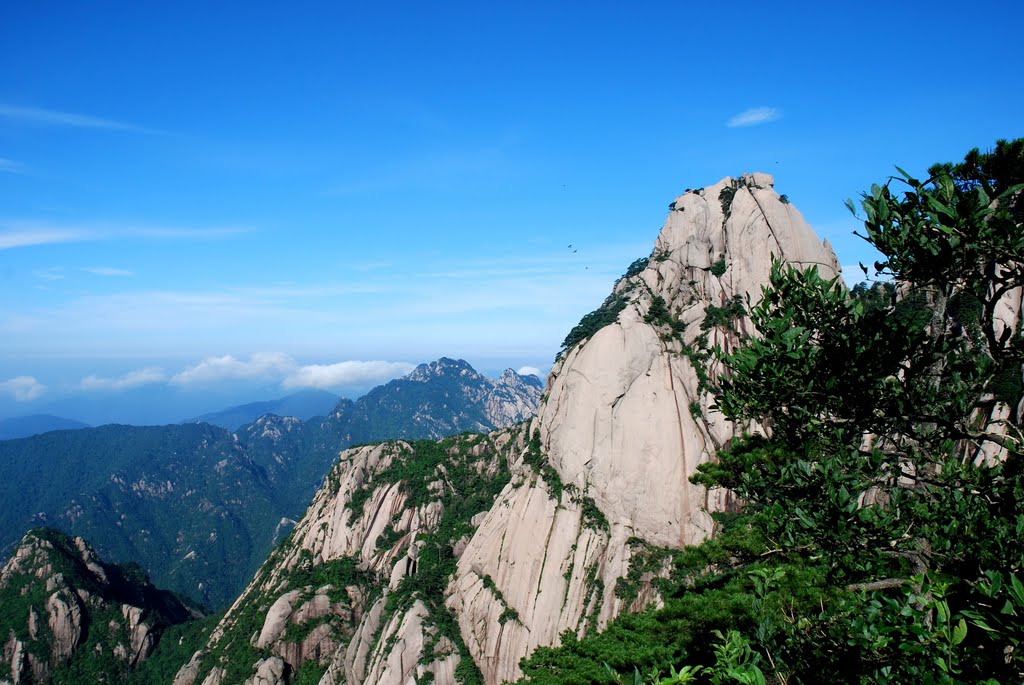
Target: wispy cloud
point(107, 271)
point(11, 167)
point(49, 117)
point(754, 116)
point(12, 237)
point(529, 371)
point(23, 388)
point(132, 379)
point(263, 365)
point(20, 233)
point(54, 273)
point(325, 376)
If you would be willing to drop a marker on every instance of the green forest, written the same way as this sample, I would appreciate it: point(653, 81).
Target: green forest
point(881, 535)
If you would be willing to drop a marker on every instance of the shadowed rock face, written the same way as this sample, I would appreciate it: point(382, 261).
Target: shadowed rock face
point(605, 463)
point(62, 604)
point(626, 425)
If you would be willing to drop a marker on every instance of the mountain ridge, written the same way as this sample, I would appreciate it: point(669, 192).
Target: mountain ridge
point(304, 405)
point(198, 505)
point(26, 426)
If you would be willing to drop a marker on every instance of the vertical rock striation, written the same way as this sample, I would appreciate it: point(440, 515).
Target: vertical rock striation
point(624, 426)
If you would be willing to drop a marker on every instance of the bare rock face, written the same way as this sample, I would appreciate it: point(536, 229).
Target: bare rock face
point(624, 427)
point(65, 622)
point(527, 532)
point(58, 593)
point(513, 398)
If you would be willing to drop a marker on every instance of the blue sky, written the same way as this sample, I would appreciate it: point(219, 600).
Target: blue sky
point(265, 197)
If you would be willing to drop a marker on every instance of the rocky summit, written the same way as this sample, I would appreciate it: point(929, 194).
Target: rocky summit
point(450, 561)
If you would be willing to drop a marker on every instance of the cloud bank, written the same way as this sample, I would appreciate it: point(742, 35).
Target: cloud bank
point(226, 367)
point(325, 376)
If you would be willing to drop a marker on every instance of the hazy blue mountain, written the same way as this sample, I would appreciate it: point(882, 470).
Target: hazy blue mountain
point(303, 405)
point(24, 426)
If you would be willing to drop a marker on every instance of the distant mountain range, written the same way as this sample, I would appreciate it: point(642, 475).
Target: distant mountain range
point(198, 505)
point(302, 405)
point(24, 426)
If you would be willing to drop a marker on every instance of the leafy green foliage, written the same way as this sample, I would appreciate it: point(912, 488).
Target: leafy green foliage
point(725, 198)
point(724, 316)
point(591, 323)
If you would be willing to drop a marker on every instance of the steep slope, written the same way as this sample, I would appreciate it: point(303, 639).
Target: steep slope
point(68, 615)
point(585, 494)
point(624, 426)
point(355, 593)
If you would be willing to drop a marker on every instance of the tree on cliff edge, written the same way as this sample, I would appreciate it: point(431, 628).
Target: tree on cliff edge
point(882, 536)
point(894, 462)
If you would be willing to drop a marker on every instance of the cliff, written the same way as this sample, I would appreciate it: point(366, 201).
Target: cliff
point(456, 559)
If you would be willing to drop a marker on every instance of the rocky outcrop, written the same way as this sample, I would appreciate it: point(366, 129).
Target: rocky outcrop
point(421, 561)
point(625, 425)
point(339, 596)
point(62, 603)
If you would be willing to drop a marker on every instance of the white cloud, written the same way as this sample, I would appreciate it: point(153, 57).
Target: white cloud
point(132, 379)
point(529, 371)
point(51, 117)
point(754, 116)
point(226, 367)
point(345, 373)
point(108, 271)
point(24, 388)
